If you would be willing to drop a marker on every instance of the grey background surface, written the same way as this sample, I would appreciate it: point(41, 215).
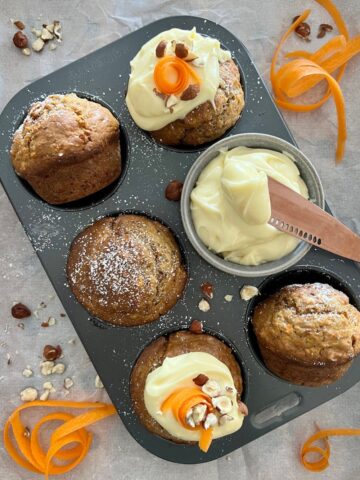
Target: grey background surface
point(89, 25)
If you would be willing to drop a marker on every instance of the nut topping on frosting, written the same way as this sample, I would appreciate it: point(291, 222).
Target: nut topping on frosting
point(160, 49)
point(200, 380)
point(223, 404)
point(211, 388)
point(181, 50)
point(199, 413)
point(225, 419)
point(191, 92)
point(211, 421)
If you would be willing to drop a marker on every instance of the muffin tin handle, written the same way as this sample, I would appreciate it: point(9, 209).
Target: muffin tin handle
point(275, 411)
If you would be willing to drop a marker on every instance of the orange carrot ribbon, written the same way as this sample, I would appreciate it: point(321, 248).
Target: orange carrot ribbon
point(307, 69)
point(180, 402)
point(27, 451)
point(323, 462)
point(172, 75)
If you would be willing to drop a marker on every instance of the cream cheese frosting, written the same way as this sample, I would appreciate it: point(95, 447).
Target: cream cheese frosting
point(146, 108)
point(177, 372)
point(230, 204)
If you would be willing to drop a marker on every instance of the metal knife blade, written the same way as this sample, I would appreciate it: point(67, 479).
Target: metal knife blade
point(293, 214)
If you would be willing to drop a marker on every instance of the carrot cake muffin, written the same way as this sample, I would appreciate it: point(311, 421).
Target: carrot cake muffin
point(184, 88)
point(67, 148)
point(186, 387)
point(126, 270)
point(308, 334)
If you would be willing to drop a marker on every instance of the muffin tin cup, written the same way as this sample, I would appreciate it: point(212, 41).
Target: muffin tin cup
point(114, 350)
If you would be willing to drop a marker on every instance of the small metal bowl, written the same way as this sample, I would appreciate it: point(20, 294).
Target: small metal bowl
point(254, 140)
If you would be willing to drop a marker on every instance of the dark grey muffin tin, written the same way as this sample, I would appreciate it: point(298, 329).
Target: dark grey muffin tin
point(147, 169)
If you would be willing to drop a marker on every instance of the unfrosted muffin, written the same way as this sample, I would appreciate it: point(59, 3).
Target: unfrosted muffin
point(67, 148)
point(308, 334)
point(126, 270)
point(204, 107)
point(185, 360)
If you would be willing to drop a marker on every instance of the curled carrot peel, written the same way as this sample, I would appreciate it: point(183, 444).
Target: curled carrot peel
point(308, 69)
point(172, 75)
point(180, 402)
point(323, 462)
point(28, 452)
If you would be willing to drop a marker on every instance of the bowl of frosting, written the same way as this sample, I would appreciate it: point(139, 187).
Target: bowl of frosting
point(225, 203)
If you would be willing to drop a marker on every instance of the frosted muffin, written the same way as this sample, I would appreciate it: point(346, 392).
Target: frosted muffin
point(186, 387)
point(184, 88)
point(126, 270)
point(67, 148)
point(308, 334)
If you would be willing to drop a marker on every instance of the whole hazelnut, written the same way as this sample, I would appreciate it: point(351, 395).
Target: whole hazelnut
point(52, 353)
point(173, 190)
point(20, 40)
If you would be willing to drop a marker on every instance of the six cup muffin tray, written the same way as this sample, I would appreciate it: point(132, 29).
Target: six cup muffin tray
point(147, 168)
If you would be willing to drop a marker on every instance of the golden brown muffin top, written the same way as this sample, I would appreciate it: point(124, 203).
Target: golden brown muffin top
point(311, 323)
point(61, 129)
point(126, 270)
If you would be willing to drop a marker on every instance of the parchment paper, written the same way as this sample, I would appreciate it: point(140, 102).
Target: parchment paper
point(89, 25)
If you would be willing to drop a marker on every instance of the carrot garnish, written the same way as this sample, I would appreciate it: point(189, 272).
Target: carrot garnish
point(308, 69)
point(172, 75)
point(180, 402)
point(27, 451)
point(323, 462)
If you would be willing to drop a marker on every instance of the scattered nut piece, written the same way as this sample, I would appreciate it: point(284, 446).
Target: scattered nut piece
point(20, 40)
point(72, 341)
point(243, 408)
point(181, 50)
point(57, 30)
point(160, 49)
point(59, 368)
point(211, 421)
point(36, 32)
point(199, 413)
point(52, 353)
point(68, 383)
point(52, 47)
point(44, 396)
point(207, 289)
point(248, 291)
point(98, 382)
point(21, 325)
point(51, 321)
point(173, 190)
point(225, 419)
point(196, 327)
point(211, 388)
point(46, 368)
point(228, 298)
point(8, 359)
point(38, 45)
point(200, 380)
point(49, 386)
point(323, 28)
point(26, 432)
point(45, 324)
point(27, 372)
point(50, 27)
point(223, 404)
point(28, 394)
point(20, 311)
point(303, 31)
point(46, 35)
point(191, 92)
point(204, 305)
point(19, 24)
